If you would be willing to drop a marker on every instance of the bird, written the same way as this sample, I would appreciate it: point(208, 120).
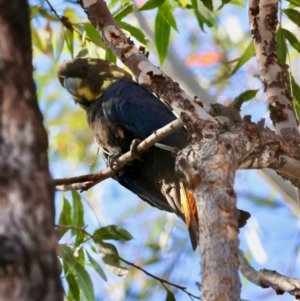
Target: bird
point(120, 111)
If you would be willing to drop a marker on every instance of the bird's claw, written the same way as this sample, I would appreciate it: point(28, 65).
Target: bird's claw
point(133, 149)
point(111, 160)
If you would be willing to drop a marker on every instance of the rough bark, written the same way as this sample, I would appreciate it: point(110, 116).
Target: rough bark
point(28, 263)
point(263, 23)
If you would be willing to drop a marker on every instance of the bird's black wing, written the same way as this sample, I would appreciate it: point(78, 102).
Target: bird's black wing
point(135, 108)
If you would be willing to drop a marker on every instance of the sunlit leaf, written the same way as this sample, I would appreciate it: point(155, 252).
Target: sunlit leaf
point(34, 10)
point(69, 36)
point(85, 282)
point(93, 35)
point(36, 39)
point(111, 259)
point(291, 38)
point(167, 13)
point(281, 48)
point(123, 11)
point(96, 266)
point(112, 232)
point(249, 53)
point(293, 15)
point(208, 4)
point(200, 18)
point(135, 32)
point(183, 3)
point(295, 2)
point(78, 218)
point(162, 36)
point(47, 15)
point(71, 15)
point(151, 4)
point(59, 40)
point(65, 218)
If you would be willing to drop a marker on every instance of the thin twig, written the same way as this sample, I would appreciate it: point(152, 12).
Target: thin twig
point(162, 281)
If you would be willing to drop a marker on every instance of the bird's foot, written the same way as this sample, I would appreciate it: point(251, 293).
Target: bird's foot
point(133, 149)
point(112, 160)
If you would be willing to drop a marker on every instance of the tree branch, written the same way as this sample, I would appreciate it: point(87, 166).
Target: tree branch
point(266, 278)
point(263, 23)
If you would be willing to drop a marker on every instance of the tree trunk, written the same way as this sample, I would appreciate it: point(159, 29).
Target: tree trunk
point(29, 267)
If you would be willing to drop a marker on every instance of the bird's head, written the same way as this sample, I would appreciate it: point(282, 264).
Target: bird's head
point(86, 79)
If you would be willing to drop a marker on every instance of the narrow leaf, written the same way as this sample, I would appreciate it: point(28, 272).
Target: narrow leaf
point(73, 286)
point(78, 218)
point(67, 255)
point(123, 11)
point(249, 52)
point(151, 4)
point(245, 96)
point(291, 38)
point(167, 12)
point(93, 35)
point(170, 296)
point(85, 282)
point(33, 11)
point(293, 15)
point(96, 266)
point(109, 56)
point(59, 40)
point(135, 32)
point(208, 4)
point(111, 259)
point(162, 36)
point(281, 49)
point(69, 37)
point(83, 53)
point(295, 2)
point(36, 39)
point(112, 232)
point(65, 218)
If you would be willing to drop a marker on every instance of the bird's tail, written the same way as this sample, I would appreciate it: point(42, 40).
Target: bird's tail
point(189, 210)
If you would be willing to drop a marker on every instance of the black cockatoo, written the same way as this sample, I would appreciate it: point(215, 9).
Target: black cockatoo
point(118, 111)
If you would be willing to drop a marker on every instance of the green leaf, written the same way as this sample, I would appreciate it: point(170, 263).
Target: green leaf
point(73, 286)
point(296, 95)
point(293, 15)
point(292, 39)
point(71, 15)
point(245, 96)
point(93, 35)
point(110, 56)
point(65, 218)
point(78, 217)
point(69, 37)
point(200, 18)
point(123, 11)
point(167, 13)
point(112, 232)
point(183, 3)
point(170, 296)
point(223, 3)
point(151, 4)
point(48, 16)
point(249, 53)
point(85, 282)
point(295, 2)
point(135, 32)
point(33, 11)
point(59, 40)
point(80, 258)
point(208, 4)
point(111, 259)
point(83, 53)
point(36, 39)
point(162, 31)
point(281, 48)
point(67, 255)
point(96, 266)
